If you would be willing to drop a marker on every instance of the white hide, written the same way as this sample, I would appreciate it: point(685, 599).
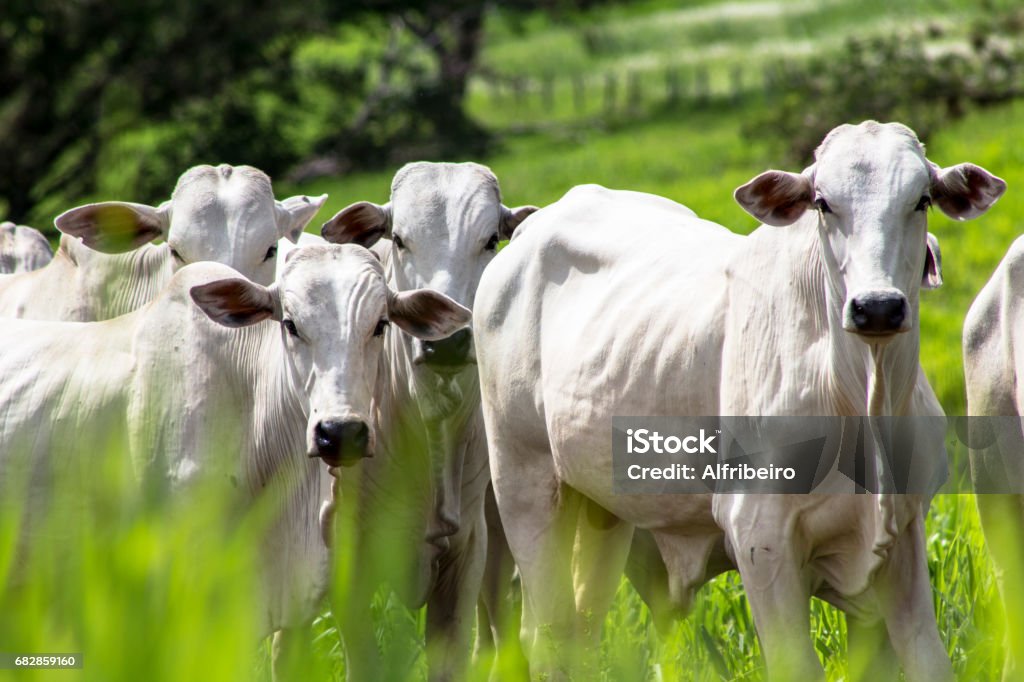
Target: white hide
point(440, 229)
point(225, 214)
point(606, 306)
point(194, 400)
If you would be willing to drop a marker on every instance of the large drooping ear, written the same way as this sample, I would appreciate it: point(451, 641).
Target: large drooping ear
point(115, 226)
point(237, 302)
point(511, 217)
point(362, 223)
point(294, 213)
point(932, 277)
point(427, 314)
point(777, 197)
point(965, 191)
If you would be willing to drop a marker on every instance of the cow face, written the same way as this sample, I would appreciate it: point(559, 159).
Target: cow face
point(225, 214)
point(334, 309)
point(870, 190)
point(444, 221)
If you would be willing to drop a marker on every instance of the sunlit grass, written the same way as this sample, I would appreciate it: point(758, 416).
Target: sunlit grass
point(152, 591)
point(698, 161)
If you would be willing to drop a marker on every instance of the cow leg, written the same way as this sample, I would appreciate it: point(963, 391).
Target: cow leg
point(599, 559)
point(647, 573)
point(290, 653)
point(778, 590)
point(905, 597)
point(500, 608)
point(451, 603)
point(1002, 517)
point(352, 589)
point(540, 515)
point(870, 655)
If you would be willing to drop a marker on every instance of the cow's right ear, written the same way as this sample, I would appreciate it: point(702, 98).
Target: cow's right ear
point(511, 217)
point(237, 302)
point(776, 197)
point(427, 314)
point(116, 226)
point(362, 223)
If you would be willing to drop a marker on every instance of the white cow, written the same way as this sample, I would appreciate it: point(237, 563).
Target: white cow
point(598, 310)
point(22, 248)
point(192, 397)
point(225, 214)
point(992, 366)
point(418, 525)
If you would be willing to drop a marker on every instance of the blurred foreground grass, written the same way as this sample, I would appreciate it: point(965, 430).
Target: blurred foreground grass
point(164, 591)
point(155, 591)
point(698, 158)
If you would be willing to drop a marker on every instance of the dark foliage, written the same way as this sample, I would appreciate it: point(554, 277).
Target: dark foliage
point(75, 74)
point(897, 78)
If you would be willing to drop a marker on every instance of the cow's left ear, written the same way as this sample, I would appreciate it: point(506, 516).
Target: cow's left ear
point(237, 302)
point(932, 277)
point(294, 213)
point(776, 197)
point(511, 217)
point(361, 223)
point(965, 191)
point(427, 314)
point(115, 226)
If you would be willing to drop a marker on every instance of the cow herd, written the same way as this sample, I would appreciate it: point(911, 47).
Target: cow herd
point(432, 450)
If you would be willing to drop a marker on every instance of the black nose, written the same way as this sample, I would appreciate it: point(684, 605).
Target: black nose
point(878, 314)
point(452, 351)
point(341, 443)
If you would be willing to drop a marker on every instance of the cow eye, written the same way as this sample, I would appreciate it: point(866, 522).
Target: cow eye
point(923, 203)
point(492, 243)
point(271, 252)
point(397, 241)
point(822, 205)
point(290, 326)
point(382, 324)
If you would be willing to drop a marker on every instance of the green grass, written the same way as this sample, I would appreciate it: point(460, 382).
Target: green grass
point(135, 592)
point(643, 40)
point(698, 159)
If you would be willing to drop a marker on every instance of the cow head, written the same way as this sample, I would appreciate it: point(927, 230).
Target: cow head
point(334, 308)
point(225, 214)
point(444, 221)
point(870, 189)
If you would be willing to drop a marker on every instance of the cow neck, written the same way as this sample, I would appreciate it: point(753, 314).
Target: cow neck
point(280, 408)
point(104, 286)
point(141, 274)
point(862, 378)
point(438, 410)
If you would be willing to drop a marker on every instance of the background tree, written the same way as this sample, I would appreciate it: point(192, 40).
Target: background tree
point(75, 74)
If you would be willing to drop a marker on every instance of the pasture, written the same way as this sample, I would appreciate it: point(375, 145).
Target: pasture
point(133, 590)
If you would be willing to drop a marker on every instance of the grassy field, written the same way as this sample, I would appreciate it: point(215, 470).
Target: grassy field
point(126, 589)
point(698, 159)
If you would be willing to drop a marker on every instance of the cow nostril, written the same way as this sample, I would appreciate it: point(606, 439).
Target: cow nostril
point(341, 442)
point(355, 432)
point(896, 318)
point(327, 434)
point(878, 314)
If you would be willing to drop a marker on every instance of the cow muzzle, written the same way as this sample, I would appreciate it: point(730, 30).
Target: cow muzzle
point(449, 354)
point(878, 313)
point(341, 443)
